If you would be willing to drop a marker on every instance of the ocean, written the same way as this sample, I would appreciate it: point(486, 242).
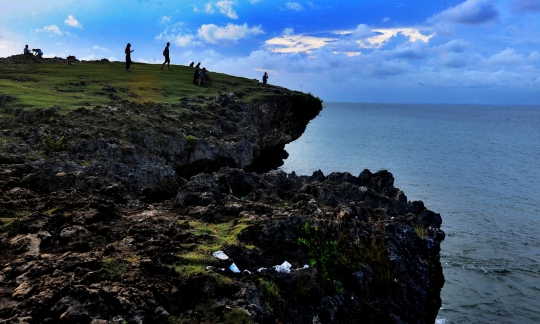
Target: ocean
point(478, 166)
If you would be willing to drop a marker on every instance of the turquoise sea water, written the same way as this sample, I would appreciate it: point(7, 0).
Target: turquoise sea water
point(478, 166)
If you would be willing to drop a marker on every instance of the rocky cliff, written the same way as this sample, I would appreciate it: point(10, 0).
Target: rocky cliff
point(112, 214)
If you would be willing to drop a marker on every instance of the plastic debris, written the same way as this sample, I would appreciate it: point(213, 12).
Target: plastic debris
point(305, 267)
point(234, 268)
point(261, 269)
point(208, 267)
point(248, 272)
point(284, 267)
point(220, 255)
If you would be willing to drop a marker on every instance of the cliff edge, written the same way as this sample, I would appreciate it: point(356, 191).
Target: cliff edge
point(113, 213)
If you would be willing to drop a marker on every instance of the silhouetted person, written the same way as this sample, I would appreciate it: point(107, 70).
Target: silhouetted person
point(128, 51)
point(191, 64)
point(167, 59)
point(197, 77)
point(27, 51)
point(198, 65)
point(265, 78)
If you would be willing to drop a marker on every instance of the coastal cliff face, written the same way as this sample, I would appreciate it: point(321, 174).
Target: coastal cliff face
point(112, 214)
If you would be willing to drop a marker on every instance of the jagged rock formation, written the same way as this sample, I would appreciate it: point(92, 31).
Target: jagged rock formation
point(111, 215)
point(148, 155)
point(94, 259)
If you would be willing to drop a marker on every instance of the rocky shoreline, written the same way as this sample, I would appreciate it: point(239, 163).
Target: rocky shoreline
point(112, 214)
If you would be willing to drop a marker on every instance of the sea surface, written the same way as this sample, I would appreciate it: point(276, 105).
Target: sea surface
point(478, 166)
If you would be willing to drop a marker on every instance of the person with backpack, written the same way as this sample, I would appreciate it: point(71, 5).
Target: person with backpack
point(167, 59)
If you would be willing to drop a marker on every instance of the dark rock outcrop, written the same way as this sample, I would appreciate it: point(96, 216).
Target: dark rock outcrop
point(111, 215)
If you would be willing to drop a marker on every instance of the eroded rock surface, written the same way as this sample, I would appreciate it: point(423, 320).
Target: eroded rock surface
point(152, 262)
point(112, 214)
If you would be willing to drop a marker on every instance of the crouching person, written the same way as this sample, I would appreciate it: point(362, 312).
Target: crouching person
point(38, 52)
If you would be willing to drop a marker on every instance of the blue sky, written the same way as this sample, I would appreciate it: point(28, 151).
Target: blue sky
point(473, 51)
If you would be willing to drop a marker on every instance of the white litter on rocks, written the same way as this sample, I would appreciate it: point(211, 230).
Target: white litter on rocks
point(221, 255)
point(234, 268)
point(284, 267)
point(261, 269)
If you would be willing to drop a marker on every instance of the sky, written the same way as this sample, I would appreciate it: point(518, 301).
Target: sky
point(423, 51)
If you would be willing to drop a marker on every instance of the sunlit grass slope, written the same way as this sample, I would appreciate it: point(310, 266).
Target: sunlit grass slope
point(68, 87)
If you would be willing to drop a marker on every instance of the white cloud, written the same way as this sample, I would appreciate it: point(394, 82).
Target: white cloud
point(297, 43)
point(313, 6)
point(225, 7)
point(185, 40)
point(223, 35)
point(470, 12)
point(255, 1)
point(349, 54)
point(208, 8)
point(100, 48)
point(50, 29)
point(90, 57)
point(534, 56)
point(294, 6)
point(165, 20)
point(506, 57)
point(288, 31)
point(362, 31)
point(71, 21)
point(384, 35)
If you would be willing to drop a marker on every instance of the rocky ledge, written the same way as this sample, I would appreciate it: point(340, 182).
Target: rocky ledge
point(115, 215)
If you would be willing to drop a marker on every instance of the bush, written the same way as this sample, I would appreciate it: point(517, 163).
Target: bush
point(50, 144)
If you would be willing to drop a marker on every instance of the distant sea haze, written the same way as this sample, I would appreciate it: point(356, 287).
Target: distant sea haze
point(478, 166)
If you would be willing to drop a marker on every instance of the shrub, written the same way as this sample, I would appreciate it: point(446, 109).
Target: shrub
point(50, 144)
point(326, 249)
point(420, 231)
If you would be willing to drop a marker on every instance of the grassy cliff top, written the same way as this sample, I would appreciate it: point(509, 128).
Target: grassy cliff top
point(49, 83)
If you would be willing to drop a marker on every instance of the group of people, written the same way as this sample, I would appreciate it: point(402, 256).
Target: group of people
point(37, 52)
point(201, 77)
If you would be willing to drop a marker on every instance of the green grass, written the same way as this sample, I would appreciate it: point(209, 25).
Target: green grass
point(72, 86)
point(212, 237)
point(420, 231)
point(271, 292)
point(113, 266)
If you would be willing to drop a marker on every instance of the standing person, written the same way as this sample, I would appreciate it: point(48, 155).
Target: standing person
point(128, 56)
point(167, 59)
point(265, 78)
point(27, 51)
